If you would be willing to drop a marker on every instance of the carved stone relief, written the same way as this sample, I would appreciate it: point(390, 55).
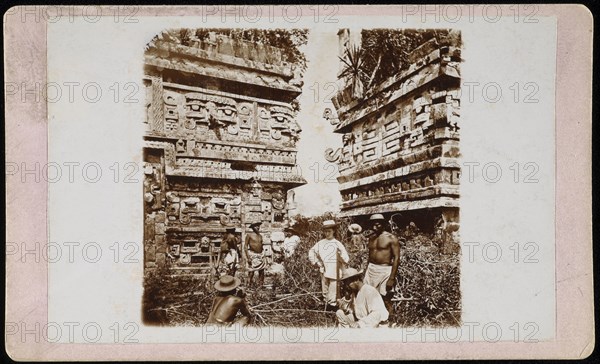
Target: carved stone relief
point(153, 187)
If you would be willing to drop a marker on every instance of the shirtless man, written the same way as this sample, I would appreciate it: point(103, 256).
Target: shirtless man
point(254, 254)
point(229, 255)
point(384, 257)
point(228, 302)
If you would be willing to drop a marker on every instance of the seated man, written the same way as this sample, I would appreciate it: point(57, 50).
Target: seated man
point(228, 302)
point(365, 307)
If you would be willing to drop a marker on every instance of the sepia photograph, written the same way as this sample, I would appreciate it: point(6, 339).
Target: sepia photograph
point(225, 241)
point(298, 182)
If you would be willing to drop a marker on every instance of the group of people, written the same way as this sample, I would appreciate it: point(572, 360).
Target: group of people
point(230, 299)
point(229, 258)
point(360, 299)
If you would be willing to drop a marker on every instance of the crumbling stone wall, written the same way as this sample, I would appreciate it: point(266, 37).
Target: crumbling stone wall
point(220, 147)
point(401, 141)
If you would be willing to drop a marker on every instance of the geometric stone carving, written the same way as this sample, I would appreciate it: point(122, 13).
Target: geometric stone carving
point(333, 156)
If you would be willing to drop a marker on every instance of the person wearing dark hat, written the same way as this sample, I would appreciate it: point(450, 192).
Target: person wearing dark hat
point(228, 258)
point(384, 258)
point(330, 256)
point(290, 242)
point(255, 256)
point(365, 308)
point(228, 303)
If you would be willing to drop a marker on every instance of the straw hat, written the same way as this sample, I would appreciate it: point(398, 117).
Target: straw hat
point(355, 229)
point(376, 217)
point(328, 224)
point(349, 273)
point(227, 283)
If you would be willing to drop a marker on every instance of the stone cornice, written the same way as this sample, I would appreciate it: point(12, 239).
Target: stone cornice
point(401, 172)
point(442, 201)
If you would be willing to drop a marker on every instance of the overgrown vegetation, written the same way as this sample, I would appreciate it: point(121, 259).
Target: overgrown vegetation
point(428, 285)
point(384, 53)
point(289, 41)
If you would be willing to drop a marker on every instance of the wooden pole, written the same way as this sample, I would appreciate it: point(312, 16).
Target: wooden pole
point(337, 274)
point(242, 257)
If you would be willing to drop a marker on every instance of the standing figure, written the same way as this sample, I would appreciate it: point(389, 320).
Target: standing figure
point(229, 255)
point(228, 303)
point(290, 242)
point(277, 247)
point(255, 255)
point(357, 244)
point(384, 257)
point(327, 254)
point(364, 308)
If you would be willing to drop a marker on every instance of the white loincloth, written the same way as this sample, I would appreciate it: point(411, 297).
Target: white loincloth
point(231, 258)
point(377, 276)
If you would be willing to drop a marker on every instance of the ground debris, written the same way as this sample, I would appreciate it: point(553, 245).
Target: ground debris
point(427, 288)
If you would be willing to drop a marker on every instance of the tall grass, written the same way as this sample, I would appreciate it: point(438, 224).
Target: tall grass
point(427, 284)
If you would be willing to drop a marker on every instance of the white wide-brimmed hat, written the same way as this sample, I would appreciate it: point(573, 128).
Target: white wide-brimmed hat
point(328, 224)
point(349, 273)
point(355, 229)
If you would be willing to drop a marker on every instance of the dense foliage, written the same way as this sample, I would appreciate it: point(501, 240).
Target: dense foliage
point(288, 40)
point(428, 285)
point(383, 53)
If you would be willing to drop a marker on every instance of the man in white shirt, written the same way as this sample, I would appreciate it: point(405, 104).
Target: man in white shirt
point(330, 256)
point(365, 308)
point(290, 242)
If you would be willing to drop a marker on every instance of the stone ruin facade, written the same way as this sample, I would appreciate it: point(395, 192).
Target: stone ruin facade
point(401, 141)
point(219, 146)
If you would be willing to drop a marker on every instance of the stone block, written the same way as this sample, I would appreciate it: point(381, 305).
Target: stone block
point(438, 95)
point(455, 94)
point(150, 217)
point(455, 177)
point(439, 112)
point(149, 229)
point(150, 253)
point(161, 216)
point(160, 242)
point(160, 259)
point(427, 181)
point(159, 228)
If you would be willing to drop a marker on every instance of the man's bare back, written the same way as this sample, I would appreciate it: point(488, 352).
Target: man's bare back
point(226, 308)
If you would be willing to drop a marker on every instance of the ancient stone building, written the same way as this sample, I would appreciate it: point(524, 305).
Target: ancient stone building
point(219, 146)
point(401, 141)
